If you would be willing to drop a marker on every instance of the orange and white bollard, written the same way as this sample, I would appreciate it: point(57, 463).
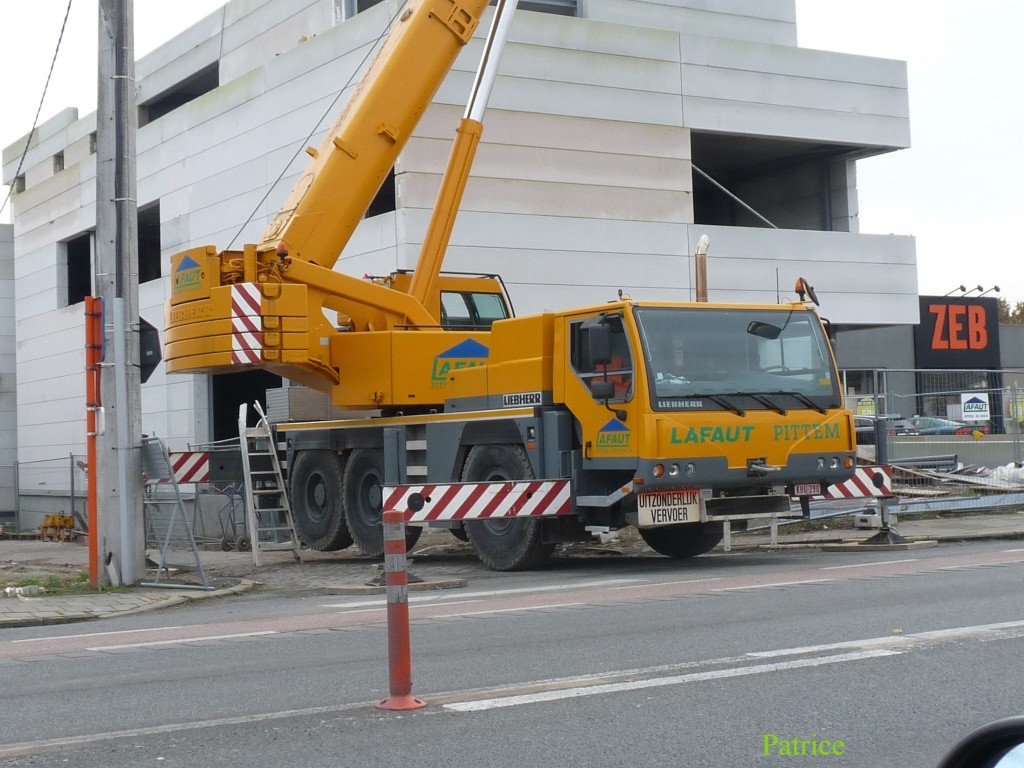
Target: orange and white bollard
point(396, 586)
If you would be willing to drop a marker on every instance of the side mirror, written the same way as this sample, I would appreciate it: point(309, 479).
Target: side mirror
point(996, 745)
point(599, 343)
point(602, 390)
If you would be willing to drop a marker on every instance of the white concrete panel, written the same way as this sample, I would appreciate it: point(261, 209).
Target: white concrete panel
point(537, 129)
point(518, 196)
point(825, 66)
point(742, 22)
point(635, 168)
point(861, 275)
point(272, 29)
point(630, 72)
point(799, 123)
point(184, 44)
point(33, 372)
point(580, 100)
point(793, 91)
point(544, 30)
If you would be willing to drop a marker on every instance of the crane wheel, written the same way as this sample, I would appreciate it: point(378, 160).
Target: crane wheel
point(316, 499)
point(508, 544)
point(681, 541)
point(362, 484)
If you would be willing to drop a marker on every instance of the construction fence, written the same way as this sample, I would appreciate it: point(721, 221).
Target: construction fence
point(953, 437)
point(210, 478)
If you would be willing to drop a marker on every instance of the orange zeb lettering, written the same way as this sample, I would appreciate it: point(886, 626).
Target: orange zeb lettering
point(938, 337)
point(977, 332)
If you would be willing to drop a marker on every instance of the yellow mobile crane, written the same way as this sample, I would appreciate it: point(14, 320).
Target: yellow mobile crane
point(516, 433)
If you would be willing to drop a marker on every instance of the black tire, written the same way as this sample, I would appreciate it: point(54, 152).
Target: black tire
point(459, 533)
point(364, 477)
point(317, 504)
point(681, 541)
point(506, 544)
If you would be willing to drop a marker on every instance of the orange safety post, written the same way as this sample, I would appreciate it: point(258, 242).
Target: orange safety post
point(93, 357)
point(396, 585)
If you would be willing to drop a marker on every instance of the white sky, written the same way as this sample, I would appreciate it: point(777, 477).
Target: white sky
point(956, 189)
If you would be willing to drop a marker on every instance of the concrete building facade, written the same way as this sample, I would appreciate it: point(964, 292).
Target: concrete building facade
point(8, 376)
point(618, 133)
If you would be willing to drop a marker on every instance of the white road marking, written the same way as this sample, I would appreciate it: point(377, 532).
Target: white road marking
point(774, 584)
point(668, 583)
point(200, 639)
point(658, 682)
point(978, 629)
point(89, 634)
point(502, 610)
point(28, 747)
point(442, 597)
point(874, 642)
point(654, 677)
point(868, 565)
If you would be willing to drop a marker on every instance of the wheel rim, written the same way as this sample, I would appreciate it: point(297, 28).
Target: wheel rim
point(315, 498)
point(371, 497)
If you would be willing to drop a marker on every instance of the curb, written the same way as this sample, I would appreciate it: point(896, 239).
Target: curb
point(852, 547)
point(244, 585)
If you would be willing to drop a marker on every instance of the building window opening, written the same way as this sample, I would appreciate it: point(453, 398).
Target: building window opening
point(384, 201)
point(77, 254)
point(149, 243)
point(189, 89)
point(230, 390)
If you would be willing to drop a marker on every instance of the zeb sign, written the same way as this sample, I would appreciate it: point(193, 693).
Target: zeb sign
point(957, 333)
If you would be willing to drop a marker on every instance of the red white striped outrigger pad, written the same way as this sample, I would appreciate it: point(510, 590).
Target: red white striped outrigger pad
point(246, 323)
point(191, 466)
point(476, 501)
point(862, 485)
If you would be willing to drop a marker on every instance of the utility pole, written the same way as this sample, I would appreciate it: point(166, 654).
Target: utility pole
point(119, 471)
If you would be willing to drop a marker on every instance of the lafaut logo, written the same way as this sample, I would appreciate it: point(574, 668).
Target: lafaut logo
point(188, 275)
point(466, 354)
point(614, 436)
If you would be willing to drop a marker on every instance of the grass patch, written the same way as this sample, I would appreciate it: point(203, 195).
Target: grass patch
point(60, 584)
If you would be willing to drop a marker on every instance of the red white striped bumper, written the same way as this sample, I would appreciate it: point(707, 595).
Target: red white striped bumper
point(478, 501)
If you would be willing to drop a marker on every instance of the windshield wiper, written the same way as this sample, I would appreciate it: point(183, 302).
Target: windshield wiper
point(760, 397)
point(802, 398)
point(720, 400)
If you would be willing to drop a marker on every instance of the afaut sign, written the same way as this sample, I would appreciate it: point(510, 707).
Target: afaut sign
point(975, 406)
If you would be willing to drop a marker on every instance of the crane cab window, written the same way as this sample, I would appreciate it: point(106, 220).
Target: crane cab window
point(470, 310)
point(619, 369)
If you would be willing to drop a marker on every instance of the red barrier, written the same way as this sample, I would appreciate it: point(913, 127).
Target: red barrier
point(396, 585)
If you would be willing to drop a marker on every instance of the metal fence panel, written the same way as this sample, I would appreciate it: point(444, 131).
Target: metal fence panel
point(952, 436)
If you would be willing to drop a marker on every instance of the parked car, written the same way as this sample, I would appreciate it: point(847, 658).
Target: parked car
point(898, 426)
point(932, 425)
point(864, 427)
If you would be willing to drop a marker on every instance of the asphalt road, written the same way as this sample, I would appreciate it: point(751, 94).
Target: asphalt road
point(616, 663)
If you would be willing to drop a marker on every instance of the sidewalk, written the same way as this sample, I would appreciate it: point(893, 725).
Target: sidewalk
point(438, 556)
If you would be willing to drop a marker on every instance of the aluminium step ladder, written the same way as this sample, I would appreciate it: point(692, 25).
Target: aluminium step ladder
point(268, 511)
